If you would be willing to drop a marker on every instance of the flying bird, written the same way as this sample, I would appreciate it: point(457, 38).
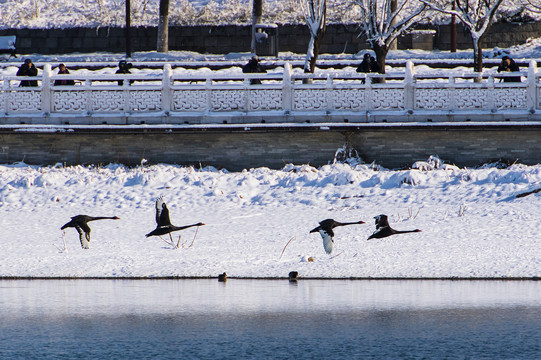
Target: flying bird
point(164, 225)
point(80, 223)
point(325, 230)
point(383, 229)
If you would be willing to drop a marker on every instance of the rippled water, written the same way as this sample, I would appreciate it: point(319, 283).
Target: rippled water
point(258, 319)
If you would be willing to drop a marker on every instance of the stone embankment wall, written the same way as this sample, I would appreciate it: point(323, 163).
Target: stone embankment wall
point(237, 148)
point(339, 38)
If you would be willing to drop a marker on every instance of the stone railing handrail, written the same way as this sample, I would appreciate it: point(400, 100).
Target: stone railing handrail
point(167, 97)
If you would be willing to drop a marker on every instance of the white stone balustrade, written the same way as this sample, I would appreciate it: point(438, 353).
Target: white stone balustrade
point(283, 96)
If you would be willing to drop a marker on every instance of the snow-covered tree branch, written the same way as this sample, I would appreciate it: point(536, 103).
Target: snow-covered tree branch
point(533, 5)
point(315, 12)
point(383, 21)
point(476, 15)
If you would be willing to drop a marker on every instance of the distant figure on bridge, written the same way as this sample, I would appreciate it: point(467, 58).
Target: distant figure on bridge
point(253, 66)
point(28, 69)
point(364, 66)
point(63, 70)
point(375, 68)
point(124, 68)
point(509, 65)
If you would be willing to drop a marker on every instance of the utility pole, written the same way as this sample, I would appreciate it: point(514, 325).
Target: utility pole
point(453, 29)
point(257, 15)
point(128, 26)
point(163, 27)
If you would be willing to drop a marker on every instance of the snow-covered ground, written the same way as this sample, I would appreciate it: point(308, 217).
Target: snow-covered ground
point(472, 224)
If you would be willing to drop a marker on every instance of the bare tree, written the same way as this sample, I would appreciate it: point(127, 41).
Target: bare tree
point(315, 13)
point(163, 27)
point(383, 21)
point(477, 16)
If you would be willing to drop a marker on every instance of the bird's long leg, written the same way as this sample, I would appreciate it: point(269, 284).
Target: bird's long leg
point(184, 243)
point(64, 240)
point(340, 253)
point(165, 241)
point(178, 242)
point(290, 240)
point(196, 230)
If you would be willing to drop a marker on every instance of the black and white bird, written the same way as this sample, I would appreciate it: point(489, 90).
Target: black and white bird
point(163, 222)
point(80, 223)
point(327, 234)
point(383, 229)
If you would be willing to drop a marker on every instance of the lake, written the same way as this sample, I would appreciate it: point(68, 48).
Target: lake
point(264, 319)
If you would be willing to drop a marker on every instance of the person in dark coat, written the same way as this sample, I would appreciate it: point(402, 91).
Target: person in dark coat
point(253, 66)
point(509, 65)
point(63, 70)
point(364, 66)
point(375, 68)
point(124, 68)
point(28, 69)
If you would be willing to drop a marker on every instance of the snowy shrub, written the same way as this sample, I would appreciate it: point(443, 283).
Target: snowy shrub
point(411, 177)
point(184, 13)
point(348, 155)
point(433, 163)
point(299, 168)
point(500, 164)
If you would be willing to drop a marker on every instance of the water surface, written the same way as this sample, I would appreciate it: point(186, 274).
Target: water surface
point(262, 319)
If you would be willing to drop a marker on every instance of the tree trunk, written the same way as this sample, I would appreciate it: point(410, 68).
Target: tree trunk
point(381, 54)
point(394, 44)
point(478, 58)
point(163, 27)
point(310, 65)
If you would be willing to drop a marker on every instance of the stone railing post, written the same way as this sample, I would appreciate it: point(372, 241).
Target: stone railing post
point(491, 101)
point(208, 89)
point(7, 95)
point(126, 94)
point(287, 90)
point(46, 98)
point(167, 95)
point(369, 105)
point(409, 87)
point(88, 96)
point(531, 97)
point(329, 93)
point(452, 93)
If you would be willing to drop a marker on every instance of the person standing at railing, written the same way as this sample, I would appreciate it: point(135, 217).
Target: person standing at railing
point(253, 66)
point(375, 68)
point(28, 69)
point(509, 65)
point(364, 66)
point(124, 68)
point(63, 70)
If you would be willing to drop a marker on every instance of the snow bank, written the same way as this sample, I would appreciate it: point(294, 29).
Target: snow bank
point(472, 224)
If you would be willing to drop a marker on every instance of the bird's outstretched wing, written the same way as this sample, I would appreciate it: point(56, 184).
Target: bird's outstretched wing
point(162, 213)
point(381, 221)
point(84, 237)
point(327, 240)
